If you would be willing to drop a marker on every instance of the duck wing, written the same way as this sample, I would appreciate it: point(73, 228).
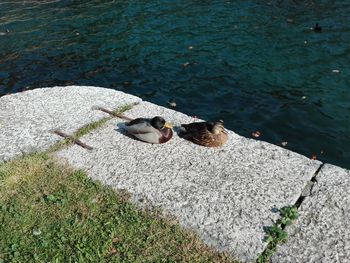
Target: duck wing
point(196, 132)
point(143, 130)
point(138, 121)
point(197, 128)
point(140, 126)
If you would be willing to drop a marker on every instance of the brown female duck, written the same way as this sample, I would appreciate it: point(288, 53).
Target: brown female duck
point(154, 130)
point(210, 134)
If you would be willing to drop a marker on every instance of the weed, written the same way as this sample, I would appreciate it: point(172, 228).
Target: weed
point(276, 234)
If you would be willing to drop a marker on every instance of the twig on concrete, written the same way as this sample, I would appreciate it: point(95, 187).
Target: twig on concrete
point(74, 140)
point(115, 114)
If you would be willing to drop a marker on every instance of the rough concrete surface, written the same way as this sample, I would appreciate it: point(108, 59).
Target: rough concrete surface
point(28, 118)
point(227, 195)
point(322, 231)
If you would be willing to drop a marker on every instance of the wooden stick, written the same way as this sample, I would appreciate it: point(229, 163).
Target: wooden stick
point(74, 140)
point(114, 114)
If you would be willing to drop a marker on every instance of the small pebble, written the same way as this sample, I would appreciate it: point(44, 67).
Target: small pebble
point(190, 47)
point(313, 157)
point(305, 42)
point(77, 33)
point(303, 97)
point(335, 70)
point(186, 64)
point(36, 232)
point(289, 20)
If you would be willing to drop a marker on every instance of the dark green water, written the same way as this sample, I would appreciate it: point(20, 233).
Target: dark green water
point(249, 65)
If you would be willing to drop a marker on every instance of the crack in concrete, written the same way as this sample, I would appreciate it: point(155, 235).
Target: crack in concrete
point(297, 204)
point(312, 181)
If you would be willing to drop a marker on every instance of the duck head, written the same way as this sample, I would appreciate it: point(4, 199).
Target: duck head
point(159, 123)
point(218, 127)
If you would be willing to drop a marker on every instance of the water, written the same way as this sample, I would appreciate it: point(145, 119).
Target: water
point(255, 64)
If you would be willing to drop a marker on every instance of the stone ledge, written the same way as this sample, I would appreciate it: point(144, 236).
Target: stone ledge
point(28, 118)
point(322, 231)
point(227, 195)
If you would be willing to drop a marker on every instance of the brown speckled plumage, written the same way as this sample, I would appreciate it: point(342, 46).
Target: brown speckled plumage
point(210, 134)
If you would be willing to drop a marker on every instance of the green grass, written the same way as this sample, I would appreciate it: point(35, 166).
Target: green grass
point(52, 213)
point(276, 234)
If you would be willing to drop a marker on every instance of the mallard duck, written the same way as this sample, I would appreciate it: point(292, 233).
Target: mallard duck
point(210, 134)
point(154, 130)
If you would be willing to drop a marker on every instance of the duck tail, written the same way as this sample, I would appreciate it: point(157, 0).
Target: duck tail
point(182, 129)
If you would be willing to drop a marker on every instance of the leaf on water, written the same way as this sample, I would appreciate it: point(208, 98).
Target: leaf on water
point(256, 134)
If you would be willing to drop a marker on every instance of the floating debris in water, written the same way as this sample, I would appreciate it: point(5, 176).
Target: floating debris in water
point(127, 84)
point(5, 33)
point(290, 20)
point(303, 97)
point(305, 42)
point(77, 33)
point(314, 157)
point(335, 70)
point(284, 144)
point(186, 64)
point(256, 134)
point(190, 47)
point(317, 28)
point(172, 104)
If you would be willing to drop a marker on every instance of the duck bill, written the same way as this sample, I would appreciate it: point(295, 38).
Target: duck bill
point(168, 125)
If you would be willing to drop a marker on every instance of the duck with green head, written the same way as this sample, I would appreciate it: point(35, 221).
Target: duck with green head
point(154, 130)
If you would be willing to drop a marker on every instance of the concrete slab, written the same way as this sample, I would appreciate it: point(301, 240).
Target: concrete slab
point(27, 118)
point(322, 231)
point(228, 195)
